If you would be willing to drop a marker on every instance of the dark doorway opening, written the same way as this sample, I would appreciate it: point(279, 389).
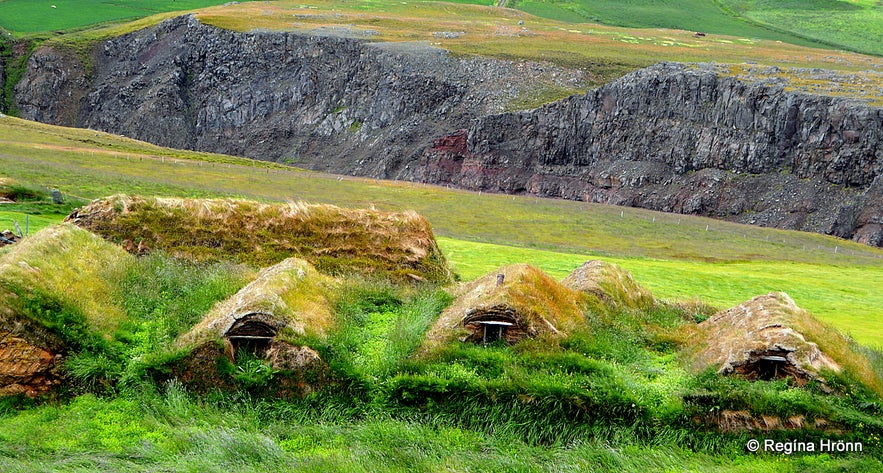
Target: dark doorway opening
point(251, 335)
point(493, 330)
point(489, 325)
point(769, 365)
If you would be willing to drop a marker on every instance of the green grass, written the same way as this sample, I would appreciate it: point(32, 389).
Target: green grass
point(331, 238)
point(607, 397)
point(843, 296)
point(37, 16)
point(28, 223)
point(693, 15)
point(853, 25)
point(856, 25)
point(176, 431)
point(613, 397)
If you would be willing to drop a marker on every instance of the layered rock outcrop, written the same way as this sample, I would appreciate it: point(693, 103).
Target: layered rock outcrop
point(323, 99)
point(2, 79)
point(683, 139)
point(29, 358)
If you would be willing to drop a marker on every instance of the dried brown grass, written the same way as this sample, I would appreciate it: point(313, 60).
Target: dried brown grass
point(774, 321)
point(400, 245)
point(291, 295)
point(541, 304)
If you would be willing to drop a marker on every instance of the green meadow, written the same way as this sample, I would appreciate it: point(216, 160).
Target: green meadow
point(855, 24)
point(696, 15)
point(28, 223)
point(30, 16)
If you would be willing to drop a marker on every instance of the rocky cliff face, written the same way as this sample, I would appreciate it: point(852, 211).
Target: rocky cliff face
point(670, 137)
point(2, 76)
point(324, 99)
point(686, 140)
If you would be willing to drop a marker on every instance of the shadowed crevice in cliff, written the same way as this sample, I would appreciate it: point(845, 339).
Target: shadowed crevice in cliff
point(682, 139)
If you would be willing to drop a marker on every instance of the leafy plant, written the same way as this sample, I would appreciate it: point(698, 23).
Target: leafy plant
point(253, 372)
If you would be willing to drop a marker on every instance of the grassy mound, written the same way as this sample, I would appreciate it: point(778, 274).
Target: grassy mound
point(527, 299)
point(258, 329)
point(610, 284)
point(771, 337)
point(333, 239)
point(71, 270)
point(289, 298)
point(56, 296)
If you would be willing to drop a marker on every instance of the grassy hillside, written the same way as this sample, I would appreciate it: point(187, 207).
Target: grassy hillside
point(611, 395)
point(29, 16)
point(693, 15)
point(855, 24)
point(676, 256)
point(497, 32)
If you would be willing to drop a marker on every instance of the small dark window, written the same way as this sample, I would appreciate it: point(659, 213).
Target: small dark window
point(493, 330)
point(249, 335)
point(771, 367)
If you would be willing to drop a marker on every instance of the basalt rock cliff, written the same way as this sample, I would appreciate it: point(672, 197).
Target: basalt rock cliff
point(670, 137)
point(326, 99)
point(2, 79)
point(683, 139)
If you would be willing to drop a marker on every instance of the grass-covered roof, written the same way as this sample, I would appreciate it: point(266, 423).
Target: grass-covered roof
point(527, 297)
point(610, 284)
point(400, 245)
point(772, 329)
point(289, 297)
point(56, 295)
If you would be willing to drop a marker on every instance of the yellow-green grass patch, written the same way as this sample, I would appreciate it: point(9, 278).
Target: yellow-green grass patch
point(70, 266)
point(97, 170)
point(496, 32)
point(866, 86)
point(334, 239)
